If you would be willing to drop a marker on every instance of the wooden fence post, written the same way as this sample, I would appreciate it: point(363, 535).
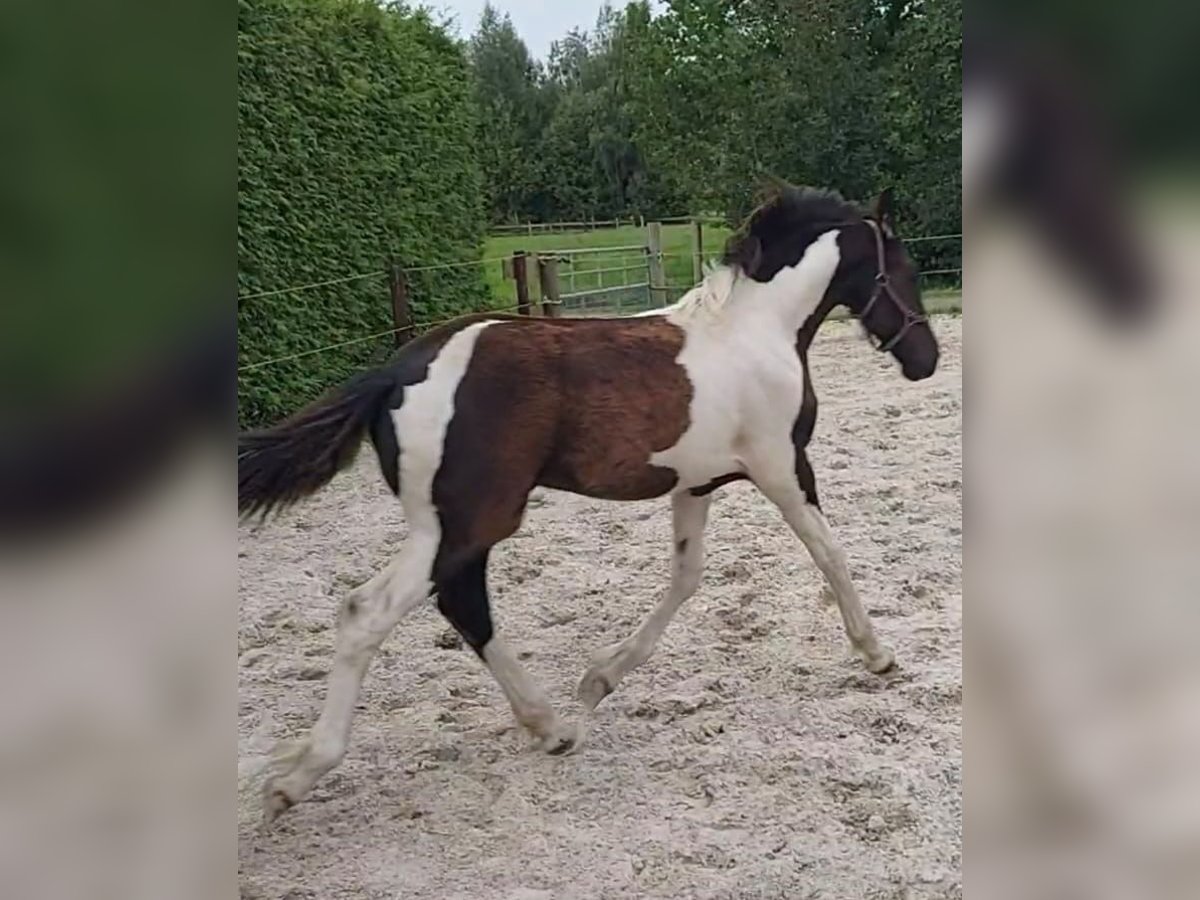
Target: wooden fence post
point(548, 276)
point(401, 319)
point(658, 284)
point(521, 277)
point(697, 251)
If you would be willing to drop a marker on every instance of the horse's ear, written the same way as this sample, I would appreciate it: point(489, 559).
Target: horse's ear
point(881, 208)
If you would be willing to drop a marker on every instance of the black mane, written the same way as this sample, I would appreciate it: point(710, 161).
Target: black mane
point(816, 206)
point(791, 216)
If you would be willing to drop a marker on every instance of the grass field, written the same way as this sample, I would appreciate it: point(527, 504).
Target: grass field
point(584, 272)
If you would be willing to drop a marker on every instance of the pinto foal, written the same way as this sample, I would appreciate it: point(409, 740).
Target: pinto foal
point(468, 419)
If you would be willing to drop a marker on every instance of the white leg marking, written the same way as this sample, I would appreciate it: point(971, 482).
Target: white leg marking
point(367, 617)
point(612, 663)
point(371, 611)
point(811, 527)
point(529, 704)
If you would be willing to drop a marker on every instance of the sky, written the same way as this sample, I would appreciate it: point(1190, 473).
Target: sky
point(539, 22)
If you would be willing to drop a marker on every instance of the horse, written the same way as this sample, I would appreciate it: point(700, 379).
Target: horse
point(468, 419)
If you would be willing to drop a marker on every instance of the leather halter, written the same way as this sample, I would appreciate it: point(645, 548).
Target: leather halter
point(883, 287)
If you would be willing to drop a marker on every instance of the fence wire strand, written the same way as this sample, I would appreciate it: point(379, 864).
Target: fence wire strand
point(415, 328)
point(379, 273)
point(316, 284)
point(931, 237)
point(457, 265)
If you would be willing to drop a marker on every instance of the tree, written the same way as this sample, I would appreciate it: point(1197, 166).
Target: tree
point(684, 110)
point(853, 94)
point(511, 111)
point(922, 77)
point(557, 142)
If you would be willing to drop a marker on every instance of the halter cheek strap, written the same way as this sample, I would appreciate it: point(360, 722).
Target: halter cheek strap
point(883, 287)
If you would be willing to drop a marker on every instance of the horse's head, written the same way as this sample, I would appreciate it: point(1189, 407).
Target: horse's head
point(872, 273)
point(878, 281)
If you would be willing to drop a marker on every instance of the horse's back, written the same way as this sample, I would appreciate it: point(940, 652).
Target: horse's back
point(574, 404)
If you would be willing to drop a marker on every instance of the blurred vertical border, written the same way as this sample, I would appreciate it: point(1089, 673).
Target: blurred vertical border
point(1081, 164)
point(117, 356)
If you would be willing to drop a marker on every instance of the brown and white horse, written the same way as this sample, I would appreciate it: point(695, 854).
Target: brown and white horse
point(470, 418)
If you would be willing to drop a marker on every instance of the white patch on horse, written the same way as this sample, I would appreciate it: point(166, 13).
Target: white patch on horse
point(746, 377)
point(421, 423)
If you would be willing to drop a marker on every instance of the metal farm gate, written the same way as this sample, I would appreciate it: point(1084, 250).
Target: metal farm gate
point(604, 280)
point(613, 280)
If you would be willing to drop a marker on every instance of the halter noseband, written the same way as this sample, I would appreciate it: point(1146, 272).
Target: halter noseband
point(883, 285)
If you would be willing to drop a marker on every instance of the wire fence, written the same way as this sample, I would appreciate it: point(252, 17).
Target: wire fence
point(413, 330)
point(585, 291)
point(641, 248)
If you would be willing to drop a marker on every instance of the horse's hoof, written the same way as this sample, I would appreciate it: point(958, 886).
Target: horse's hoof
point(593, 688)
point(560, 741)
point(275, 804)
point(881, 661)
point(560, 746)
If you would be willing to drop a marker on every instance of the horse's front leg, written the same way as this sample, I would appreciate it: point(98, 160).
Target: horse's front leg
point(612, 663)
point(794, 493)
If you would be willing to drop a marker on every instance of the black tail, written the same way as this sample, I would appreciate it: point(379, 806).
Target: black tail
point(278, 466)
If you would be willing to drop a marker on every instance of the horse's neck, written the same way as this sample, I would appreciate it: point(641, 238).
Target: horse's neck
point(794, 300)
point(794, 319)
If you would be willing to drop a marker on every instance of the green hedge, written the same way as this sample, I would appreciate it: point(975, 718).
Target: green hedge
point(355, 144)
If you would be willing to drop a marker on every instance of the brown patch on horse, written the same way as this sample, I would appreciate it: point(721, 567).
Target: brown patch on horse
point(578, 409)
point(630, 398)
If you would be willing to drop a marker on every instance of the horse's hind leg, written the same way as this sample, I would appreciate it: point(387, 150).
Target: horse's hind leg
point(611, 664)
point(463, 600)
point(367, 616)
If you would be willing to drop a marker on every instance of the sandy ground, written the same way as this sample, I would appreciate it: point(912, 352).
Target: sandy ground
point(751, 757)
